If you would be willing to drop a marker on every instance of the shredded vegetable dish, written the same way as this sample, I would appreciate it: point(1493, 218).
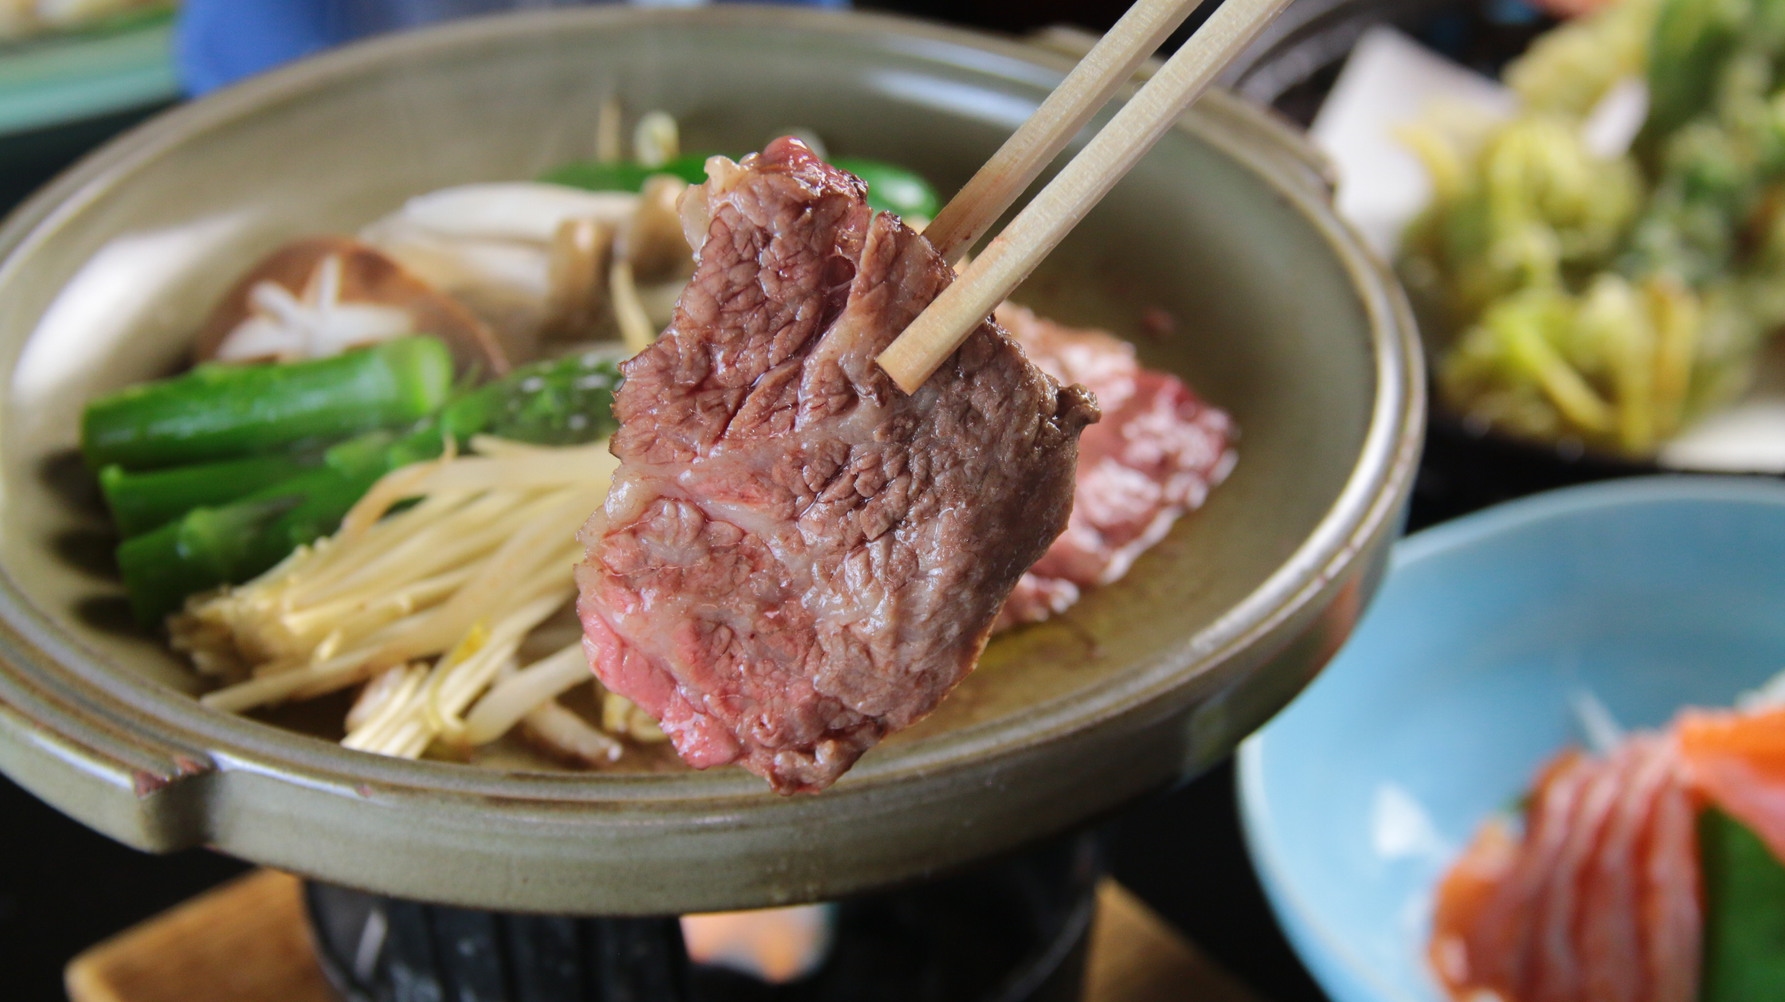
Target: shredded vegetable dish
point(1607, 285)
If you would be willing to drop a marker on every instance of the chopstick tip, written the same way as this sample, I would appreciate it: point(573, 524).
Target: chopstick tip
point(907, 372)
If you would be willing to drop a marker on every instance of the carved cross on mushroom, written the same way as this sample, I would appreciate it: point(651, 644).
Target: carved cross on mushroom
point(319, 296)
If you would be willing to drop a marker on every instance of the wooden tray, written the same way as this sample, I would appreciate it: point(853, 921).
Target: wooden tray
point(246, 941)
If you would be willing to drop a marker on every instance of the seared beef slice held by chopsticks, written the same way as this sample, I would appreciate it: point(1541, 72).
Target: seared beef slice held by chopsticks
point(796, 558)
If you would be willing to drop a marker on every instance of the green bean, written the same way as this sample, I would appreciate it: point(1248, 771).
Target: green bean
point(892, 188)
point(624, 175)
point(559, 402)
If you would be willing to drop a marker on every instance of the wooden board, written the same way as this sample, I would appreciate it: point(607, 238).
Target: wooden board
point(246, 941)
point(1136, 956)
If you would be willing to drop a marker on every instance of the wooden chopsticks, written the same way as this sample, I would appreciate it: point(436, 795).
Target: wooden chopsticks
point(1037, 141)
point(1045, 221)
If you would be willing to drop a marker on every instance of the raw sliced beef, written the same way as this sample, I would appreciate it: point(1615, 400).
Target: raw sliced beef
point(796, 558)
point(1154, 456)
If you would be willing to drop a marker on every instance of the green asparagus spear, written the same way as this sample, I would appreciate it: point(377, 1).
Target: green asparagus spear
point(192, 555)
point(231, 543)
point(564, 401)
point(226, 411)
point(557, 402)
point(150, 499)
point(560, 402)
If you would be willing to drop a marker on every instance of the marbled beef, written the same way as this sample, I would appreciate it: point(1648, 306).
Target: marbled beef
point(796, 558)
point(1156, 454)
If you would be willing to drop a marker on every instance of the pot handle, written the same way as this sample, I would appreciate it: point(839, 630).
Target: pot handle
point(77, 757)
point(1268, 126)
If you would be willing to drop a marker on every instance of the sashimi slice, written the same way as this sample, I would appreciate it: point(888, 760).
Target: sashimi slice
point(1597, 901)
point(1737, 760)
point(1673, 900)
point(1559, 969)
point(1611, 930)
point(1482, 939)
point(1463, 895)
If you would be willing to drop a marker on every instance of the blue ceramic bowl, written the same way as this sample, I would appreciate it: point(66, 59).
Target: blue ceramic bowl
point(1464, 677)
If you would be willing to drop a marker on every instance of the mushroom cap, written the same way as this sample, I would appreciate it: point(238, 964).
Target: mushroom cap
point(367, 275)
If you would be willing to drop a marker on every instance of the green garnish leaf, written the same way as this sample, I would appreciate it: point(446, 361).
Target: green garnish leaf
point(1744, 928)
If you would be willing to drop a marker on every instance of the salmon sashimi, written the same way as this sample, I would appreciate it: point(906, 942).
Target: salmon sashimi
point(1556, 967)
point(1596, 901)
point(1600, 898)
point(1673, 903)
point(1482, 932)
point(1737, 760)
point(1502, 941)
point(1474, 881)
point(1614, 889)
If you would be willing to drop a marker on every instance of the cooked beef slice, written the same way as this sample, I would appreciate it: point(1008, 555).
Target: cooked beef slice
point(1155, 455)
point(796, 558)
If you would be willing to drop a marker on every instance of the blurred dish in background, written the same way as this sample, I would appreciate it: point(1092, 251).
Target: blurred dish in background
point(1293, 65)
point(1496, 641)
point(117, 65)
point(222, 41)
point(1592, 247)
point(64, 91)
point(1645, 867)
point(28, 18)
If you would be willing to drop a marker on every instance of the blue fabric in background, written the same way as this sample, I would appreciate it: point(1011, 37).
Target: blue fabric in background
point(220, 41)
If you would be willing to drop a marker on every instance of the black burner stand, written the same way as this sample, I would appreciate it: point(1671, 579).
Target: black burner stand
point(1012, 930)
